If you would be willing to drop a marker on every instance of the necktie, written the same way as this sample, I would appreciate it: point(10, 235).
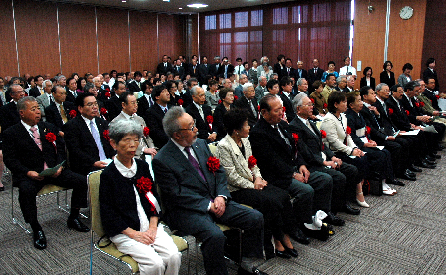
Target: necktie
point(195, 69)
point(165, 110)
point(150, 101)
point(315, 70)
point(51, 98)
point(252, 108)
point(309, 127)
point(36, 136)
point(41, 91)
point(194, 162)
point(63, 114)
point(97, 139)
point(385, 107)
point(200, 110)
point(282, 136)
point(288, 71)
point(300, 73)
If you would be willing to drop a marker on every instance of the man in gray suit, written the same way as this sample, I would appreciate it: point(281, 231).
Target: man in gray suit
point(129, 108)
point(46, 98)
point(195, 194)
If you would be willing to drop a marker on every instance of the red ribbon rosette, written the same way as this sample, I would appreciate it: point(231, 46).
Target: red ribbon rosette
point(146, 131)
point(295, 137)
point(180, 102)
point(252, 162)
point(51, 137)
point(72, 113)
point(323, 134)
point(437, 96)
point(367, 130)
point(407, 112)
point(105, 134)
point(312, 100)
point(235, 97)
point(390, 111)
point(213, 164)
point(103, 111)
point(219, 102)
point(422, 104)
point(417, 104)
point(325, 106)
point(107, 94)
point(144, 186)
point(349, 130)
point(210, 120)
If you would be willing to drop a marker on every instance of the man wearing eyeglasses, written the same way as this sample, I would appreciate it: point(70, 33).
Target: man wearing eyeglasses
point(86, 137)
point(58, 112)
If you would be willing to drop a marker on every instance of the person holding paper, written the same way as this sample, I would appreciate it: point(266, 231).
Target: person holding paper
point(30, 147)
point(130, 206)
point(87, 138)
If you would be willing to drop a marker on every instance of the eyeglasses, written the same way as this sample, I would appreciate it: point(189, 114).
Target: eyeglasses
point(90, 104)
point(191, 129)
point(308, 105)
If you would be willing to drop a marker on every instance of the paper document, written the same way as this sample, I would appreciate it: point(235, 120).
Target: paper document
point(411, 133)
point(51, 171)
point(430, 129)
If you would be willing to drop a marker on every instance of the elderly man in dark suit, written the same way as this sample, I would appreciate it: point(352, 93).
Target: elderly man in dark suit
point(202, 115)
point(314, 73)
point(8, 113)
point(300, 72)
point(31, 146)
point(203, 70)
point(46, 98)
point(86, 137)
point(196, 196)
point(155, 114)
point(321, 158)
point(59, 111)
point(249, 103)
point(275, 150)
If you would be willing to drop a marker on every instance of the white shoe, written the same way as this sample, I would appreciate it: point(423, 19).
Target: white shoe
point(362, 203)
point(389, 192)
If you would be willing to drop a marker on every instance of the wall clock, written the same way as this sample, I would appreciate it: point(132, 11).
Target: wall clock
point(406, 12)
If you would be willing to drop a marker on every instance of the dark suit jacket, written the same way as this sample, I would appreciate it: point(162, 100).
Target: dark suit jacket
point(53, 115)
point(218, 125)
point(144, 105)
point(275, 158)
point(133, 87)
point(363, 83)
point(114, 107)
point(310, 144)
point(213, 70)
point(186, 97)
point(242, 103)
point(290, 114)
point(163, 70)
point(431, 95)
point(386, 122)
point(313, 77)
point(183, 190)
point(374, 123)
point(429, 73)
point(118, 199)
point(203, 71)
point(154, 120)
point(384, 78)
point(9, 115)
point(81, 145)
point(180, 71)
point(399, 116)
point(297, 76)
point(221, 69)
point(413, 110)
point(21, 153)
point(190, 71)
point(355, 122)
point(34, 92)
point(202, 125)
point(284, 72)
point(70, 97)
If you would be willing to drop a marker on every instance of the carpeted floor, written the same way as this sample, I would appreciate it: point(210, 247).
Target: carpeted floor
point(404, 234)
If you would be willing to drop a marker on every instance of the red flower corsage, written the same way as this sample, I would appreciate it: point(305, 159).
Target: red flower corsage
point(235, 97)
point(284, 109)
point(349, 130)
point(103, 111)
point(390, 111)
point(213, 164)
point(144, 185)
point(107, 94)
point(325, 105)
point(72, 113)
point(105, 134)
point(50, 137)
point(258, 108)
point(219, 102)
point(323, 134)
point(407, 112)
point(210, 119)
point(367, 130)
point(146, 131)
point(437, 96)
point(295, 137)
point(417, 104)
point(252, 162)
point(312, 100)
point(180, 102)
point(422, 104)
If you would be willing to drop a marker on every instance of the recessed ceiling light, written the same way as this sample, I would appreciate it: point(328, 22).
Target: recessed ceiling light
point(197, 6)
point(180, 8)
point(166, 0)
point(124, 1)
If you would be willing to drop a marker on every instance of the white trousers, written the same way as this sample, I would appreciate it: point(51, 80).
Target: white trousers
point(160, 258)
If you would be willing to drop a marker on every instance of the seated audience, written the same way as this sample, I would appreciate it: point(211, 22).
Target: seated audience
point(330, 86)
point(146, 101)
point(86, 137)
point(130, 206)
point(155, 114)
point(113, 105)
point(285, 94)
point(347, 69)
point(330, 71)
point(320, 105)
point(31, 146)
point(196, 196)
point(202, 114)
point(136, 85)
point(342, 84)
point(405, 77)
point(46, 98)
point(211, 95)
point(248, 103)
point(60, 111)
point(227, 100)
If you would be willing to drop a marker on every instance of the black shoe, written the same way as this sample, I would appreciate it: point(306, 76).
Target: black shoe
point(440, 147)
point(413, 168)
point(435, 156)
point(395, 182)
point(2, 188)
point(407, 176)
point(255, 271)
point(332, 219)
point(283, 254)
point(429, 160)
point(291, 251)
point(299, 237)
point(426, 164)
point(350, 210)
point(77, 225)
point(39, 240)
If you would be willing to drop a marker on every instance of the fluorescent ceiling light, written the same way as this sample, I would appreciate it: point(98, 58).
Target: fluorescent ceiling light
point(197, 6)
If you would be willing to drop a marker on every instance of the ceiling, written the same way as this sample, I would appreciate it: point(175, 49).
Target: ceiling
point(173, 6)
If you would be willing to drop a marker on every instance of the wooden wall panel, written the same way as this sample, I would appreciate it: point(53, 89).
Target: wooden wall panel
point(434, 39)
point(78, 39)
point(406, 37)
point(171, 36)
point(8, 65)
point(113, 40)
point(143, 41)
point(194, 46)
point(38, 43)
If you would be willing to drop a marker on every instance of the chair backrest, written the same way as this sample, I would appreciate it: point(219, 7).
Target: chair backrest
point(93, 190)
point(213, 148)
point(149, 162)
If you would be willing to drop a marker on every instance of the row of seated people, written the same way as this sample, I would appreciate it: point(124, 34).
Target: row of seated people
point(90, 109)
